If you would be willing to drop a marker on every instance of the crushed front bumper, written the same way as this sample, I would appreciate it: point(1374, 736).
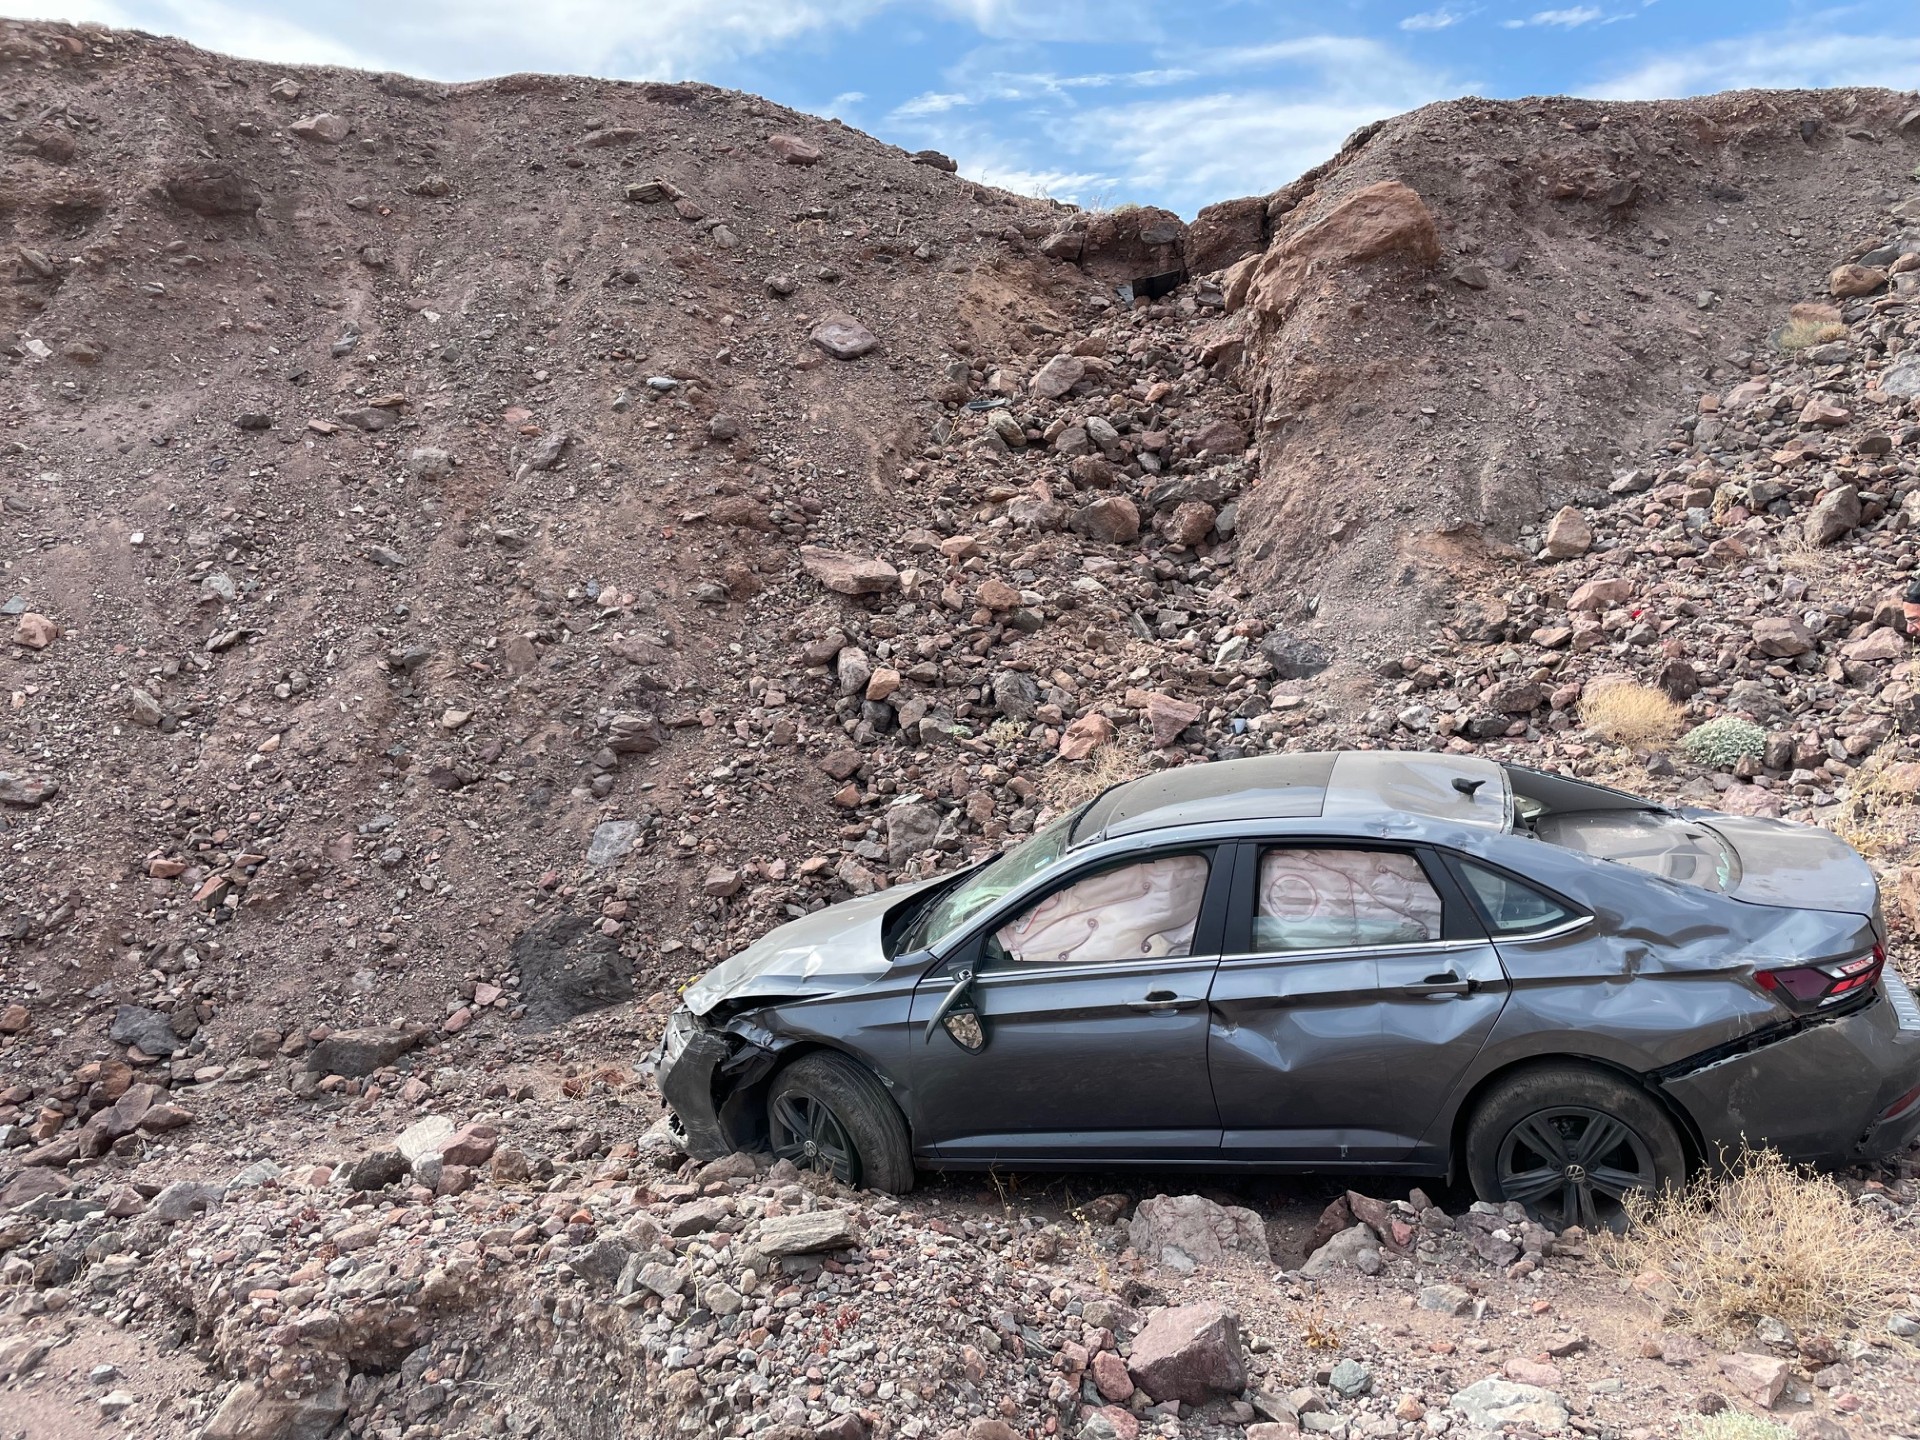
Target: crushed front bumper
point(1830, 1091)
point(706, 1076)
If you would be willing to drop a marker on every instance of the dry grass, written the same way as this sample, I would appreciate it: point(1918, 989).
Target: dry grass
point(1800, 556)
point(1629, 713)
point(1735, 1425)
point(1800, 334)
point(1764, 1238)
point(1074, 783)
point(1878, 816)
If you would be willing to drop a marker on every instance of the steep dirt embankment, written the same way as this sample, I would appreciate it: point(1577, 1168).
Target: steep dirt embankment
point(1435, 370)
point(372, 445)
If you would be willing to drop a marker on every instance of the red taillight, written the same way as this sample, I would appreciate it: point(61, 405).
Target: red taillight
point(1806, 986)
point(1900, 1107)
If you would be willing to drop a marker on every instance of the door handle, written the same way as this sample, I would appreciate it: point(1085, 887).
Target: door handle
point(1443, 984)
point(1163, 1000)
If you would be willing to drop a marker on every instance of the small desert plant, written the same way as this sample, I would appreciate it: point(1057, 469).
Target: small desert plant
point(1068, 785)
point(1802, 334)
point(1629, 713)
point(1877, 819)
point(1724, 742)
point(1762, 1238)
point(1735, 1425)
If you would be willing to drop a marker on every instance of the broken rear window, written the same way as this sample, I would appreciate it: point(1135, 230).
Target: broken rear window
point(1670, 846)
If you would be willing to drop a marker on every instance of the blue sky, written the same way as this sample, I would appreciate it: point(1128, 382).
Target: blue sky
point(1094, 101)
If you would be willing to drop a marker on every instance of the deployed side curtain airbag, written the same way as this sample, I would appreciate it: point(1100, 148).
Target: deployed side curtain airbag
point(1135, 912)
point(1324, 899)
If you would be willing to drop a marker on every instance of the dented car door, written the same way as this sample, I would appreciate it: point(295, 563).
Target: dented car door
point(1083, 1030)
point(1354, 990)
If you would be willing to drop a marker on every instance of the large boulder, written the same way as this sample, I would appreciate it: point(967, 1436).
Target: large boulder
point(846, 574)
point(1223, 233)
point(254, 1410)
point(1386, 220)
point(354, 1053)
point(1187, 1230)
point(1493, 1404)
point(1190, 1353)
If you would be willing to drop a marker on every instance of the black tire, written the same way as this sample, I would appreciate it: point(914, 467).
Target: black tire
point(826, 1112)
point(1570, 1142)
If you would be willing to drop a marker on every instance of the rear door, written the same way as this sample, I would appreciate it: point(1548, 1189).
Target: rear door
point(1355, 987)
point(1090, 1003)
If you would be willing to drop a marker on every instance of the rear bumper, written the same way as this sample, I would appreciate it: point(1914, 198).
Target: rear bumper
point(1829, 1093)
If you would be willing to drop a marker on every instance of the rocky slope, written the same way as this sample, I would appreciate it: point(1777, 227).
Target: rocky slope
point(471, 556)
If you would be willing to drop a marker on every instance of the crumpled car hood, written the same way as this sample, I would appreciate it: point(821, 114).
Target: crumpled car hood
point(832, 949)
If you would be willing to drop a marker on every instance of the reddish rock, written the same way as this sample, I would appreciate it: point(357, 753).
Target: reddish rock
point(1190, 1353)
point(1190, 523)
point(1848, 281)
point(35, 631)
point(13, 1019)
point(843, 337)
point(162, 1118)
point(470, 1146)
point(1085, 735)
point(1781, 637)
point(1881, 645)
point(998, 595)
point(1381, 221)
point(1111, 520)
point(792, 150)
point(846, 574)
point(1110, 1377)
point(1760, 1378)
point(1568, 534)
point(1057, 377)
point(1167, 717)
point(1600, 594)
point(1220, 437)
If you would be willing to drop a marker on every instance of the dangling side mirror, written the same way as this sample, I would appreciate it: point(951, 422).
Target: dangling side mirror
point(962, 1023)
point(951, 1002)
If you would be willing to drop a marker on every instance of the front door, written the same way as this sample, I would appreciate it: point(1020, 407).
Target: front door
point(1088, 1012)
point(1356, 985)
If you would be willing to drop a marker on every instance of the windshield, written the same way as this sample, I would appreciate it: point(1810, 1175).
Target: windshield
point(992, 881)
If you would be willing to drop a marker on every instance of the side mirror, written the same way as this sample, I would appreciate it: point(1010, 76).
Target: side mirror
point(952, 1005)
point(962, 1024)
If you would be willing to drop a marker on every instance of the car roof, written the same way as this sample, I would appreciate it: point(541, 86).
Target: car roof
point(1328, 784)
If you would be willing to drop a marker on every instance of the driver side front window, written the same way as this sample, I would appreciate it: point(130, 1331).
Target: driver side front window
point(1139, 911)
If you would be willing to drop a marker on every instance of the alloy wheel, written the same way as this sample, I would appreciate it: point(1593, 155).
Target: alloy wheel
point(1571, 1165)
point(809, 1134)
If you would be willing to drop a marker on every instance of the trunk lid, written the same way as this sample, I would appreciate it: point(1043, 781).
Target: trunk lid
point(1799, 866)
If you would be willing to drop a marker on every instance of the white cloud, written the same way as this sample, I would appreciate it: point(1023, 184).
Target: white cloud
point(1057, 20)
point(471, 39)
point(1439, 19)
point(1788, 59)
point(1566, 19)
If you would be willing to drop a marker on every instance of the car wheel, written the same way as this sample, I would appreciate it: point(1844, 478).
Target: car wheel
point(828, 1113)
point(1571, 1144)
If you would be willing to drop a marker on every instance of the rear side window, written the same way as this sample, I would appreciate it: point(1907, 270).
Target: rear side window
point(1312, 899)
point(1512, 908)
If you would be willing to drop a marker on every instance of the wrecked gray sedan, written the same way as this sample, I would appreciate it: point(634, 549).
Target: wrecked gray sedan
point(1396, 962)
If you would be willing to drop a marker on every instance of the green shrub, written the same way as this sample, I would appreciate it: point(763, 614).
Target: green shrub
point(1724, 742)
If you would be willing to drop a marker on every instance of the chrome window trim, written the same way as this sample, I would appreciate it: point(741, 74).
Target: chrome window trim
point(1013, 970)
point(1565, 927)
point(1344, 952)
